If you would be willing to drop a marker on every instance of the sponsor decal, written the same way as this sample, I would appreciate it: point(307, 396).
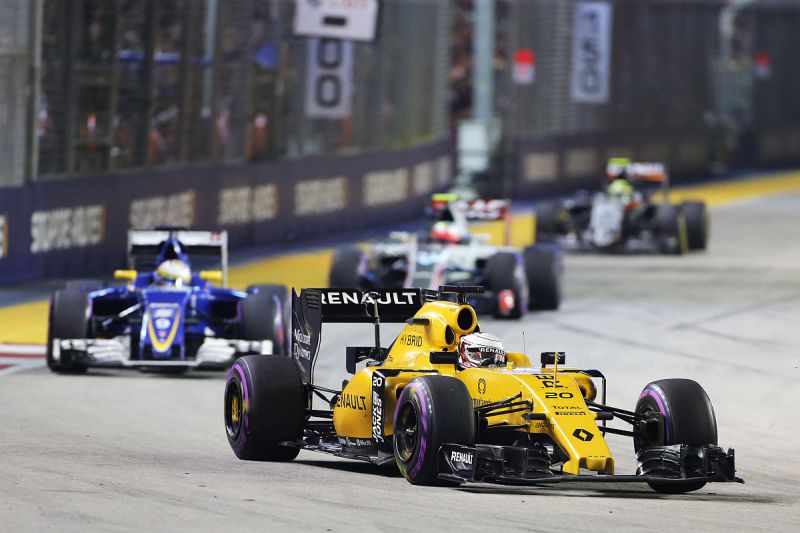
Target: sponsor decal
point(410, 340)
point(481, 386)
point(479, 403)
point(461, 457)
point(444, 171)
point(168, 210)
point(569, 410)
point(386, 187)
point(358, 297)
point(581, 162)
point(3, 236)
point(540, 166)
point(162, 330)
point(352, 401)
point(320, 196)
point(582, 434)
point(378, 384)
point(424, 178)
point(355, 442)
point(66, 228)
point(242, 205)
point(301, 347)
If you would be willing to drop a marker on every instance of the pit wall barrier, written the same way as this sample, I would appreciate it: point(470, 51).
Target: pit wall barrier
point(78, 227)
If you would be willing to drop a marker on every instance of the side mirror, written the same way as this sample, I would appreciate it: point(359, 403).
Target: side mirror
point(214, 276)
point(128, 275)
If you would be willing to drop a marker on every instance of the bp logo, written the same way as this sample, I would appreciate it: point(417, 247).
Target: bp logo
point(481, 385)
point(582, 434)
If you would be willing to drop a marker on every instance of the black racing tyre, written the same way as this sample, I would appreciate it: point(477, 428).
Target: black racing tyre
point(503, 273)
point(688, 418)
point(264, 315)
point(545, 272)
point(346, 268)
point(547, 221)
point(68, 320)
point(697, 225)
point(264, 406)
point(86, 284)
point(671, 229)
point(431, 411)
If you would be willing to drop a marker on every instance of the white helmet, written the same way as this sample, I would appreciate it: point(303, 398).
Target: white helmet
point(480, 349)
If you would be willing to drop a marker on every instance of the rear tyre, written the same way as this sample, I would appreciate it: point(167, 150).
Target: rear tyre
point(696, 225)
point(431, 411)
point(545, 272)
point(671, 228)
point(264, 315)
point(688, 418)
point(347, 268)
point(69, 319)
point(504, 272)
point(264, 406)
point(547, 225)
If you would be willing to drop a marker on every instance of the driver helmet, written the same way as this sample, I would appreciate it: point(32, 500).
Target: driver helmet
point(446, 232)
point(173, 272)
point(621, 189)
point(480, 349)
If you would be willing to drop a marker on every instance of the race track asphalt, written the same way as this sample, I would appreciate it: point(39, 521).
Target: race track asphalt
point(123, 451)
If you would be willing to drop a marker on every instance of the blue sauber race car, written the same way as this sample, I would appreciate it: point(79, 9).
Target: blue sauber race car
point(167, 316)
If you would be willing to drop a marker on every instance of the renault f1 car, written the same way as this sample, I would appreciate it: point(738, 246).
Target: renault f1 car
point(414, 405)
point(174, 319)
point(515, 280)
point(624, 218)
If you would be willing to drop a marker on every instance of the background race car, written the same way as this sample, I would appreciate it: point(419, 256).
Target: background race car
point(417, 404)
point(168, 316)
point(624, 217)
point(448, 253)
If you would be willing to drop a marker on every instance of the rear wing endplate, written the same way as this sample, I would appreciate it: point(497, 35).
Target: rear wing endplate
point(313, 307)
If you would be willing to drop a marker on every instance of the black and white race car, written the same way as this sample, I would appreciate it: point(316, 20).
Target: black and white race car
point(624, 218)
point(449, 253)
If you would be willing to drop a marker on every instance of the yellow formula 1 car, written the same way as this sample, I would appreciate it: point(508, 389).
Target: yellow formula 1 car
point(414, 404)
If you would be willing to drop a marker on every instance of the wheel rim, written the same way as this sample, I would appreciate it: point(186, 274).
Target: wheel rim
point(406, 433)
point(234, 409)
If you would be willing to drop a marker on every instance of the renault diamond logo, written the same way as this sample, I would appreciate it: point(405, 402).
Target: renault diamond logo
point(582, 434)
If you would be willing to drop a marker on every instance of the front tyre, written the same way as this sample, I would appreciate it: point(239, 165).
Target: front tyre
point(431, 411)
point(671, 229)
point(687, 418)
point(696, 225)
point(69, 319)
point(264, 406)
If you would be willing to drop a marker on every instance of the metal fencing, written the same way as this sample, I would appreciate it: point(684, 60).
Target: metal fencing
point(130, 84)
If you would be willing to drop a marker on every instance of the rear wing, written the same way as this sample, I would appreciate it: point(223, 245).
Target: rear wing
point(313, 307)
point(477, 210)
point(651, 172)
point(206, 249)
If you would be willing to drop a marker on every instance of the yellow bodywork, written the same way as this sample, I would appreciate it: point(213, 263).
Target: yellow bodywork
point(437, 327)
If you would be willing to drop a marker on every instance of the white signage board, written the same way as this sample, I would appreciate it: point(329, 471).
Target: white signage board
point(336, 19)
point(329, 78)
point(591, 53)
